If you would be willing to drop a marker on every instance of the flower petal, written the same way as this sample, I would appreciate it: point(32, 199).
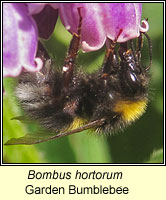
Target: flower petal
point(35, 8)
point(92, 38)
point(55, 5)
point(102, 20)
point(20, 40)
point(121, 16)
point(144, 27)
point(46, 21)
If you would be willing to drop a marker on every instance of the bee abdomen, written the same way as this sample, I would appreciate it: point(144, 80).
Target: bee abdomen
point(32, 96)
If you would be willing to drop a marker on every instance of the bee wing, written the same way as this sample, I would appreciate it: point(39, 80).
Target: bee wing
point(38, 137)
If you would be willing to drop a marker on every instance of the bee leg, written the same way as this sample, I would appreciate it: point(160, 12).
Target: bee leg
point(138, 50)
point(108, 59)
point(150, 51)
point(72, 53)
point(133, 49)
point(110, 63)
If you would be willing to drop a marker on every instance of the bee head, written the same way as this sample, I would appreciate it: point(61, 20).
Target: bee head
point(133, 76)
point(123, 67)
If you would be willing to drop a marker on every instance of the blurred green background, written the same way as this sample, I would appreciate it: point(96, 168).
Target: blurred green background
point(142, 142)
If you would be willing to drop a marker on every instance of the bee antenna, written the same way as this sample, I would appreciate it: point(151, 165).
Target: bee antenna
point(150, 51)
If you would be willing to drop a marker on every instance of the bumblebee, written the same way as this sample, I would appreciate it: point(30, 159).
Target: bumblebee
point(68, 101)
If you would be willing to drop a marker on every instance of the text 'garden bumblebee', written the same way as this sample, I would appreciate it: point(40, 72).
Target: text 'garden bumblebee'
point(69, 101)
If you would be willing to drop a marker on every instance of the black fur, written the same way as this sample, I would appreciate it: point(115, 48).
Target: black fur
point(89, 96)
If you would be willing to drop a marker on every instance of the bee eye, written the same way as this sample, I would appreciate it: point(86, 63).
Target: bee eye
point(132, 79)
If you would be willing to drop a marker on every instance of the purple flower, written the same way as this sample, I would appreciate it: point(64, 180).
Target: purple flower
point(20, 36)
point(45, 16)
point(46, 20)
point(35, 8)
point(20, 32)
point(24, 23)
point(102, 20)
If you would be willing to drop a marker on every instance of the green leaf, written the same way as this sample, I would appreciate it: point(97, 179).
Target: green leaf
point(156, 157)
point(90, 148)
point(13, 128)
